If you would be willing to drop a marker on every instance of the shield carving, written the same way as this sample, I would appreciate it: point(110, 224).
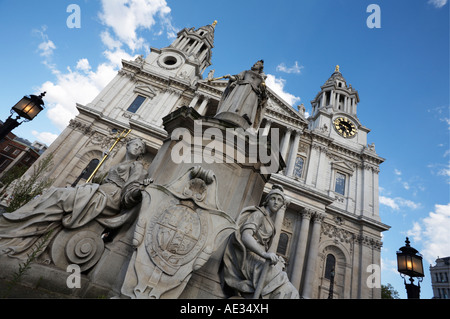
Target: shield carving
point(178, 235)
point(180, 225)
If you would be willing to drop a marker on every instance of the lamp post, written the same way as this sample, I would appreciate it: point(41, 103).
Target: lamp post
point(409, 263)
point(27, 108)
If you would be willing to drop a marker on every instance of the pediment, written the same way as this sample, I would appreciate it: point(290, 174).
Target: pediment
point(146, 90)
point(343, 166)
point(282, 110)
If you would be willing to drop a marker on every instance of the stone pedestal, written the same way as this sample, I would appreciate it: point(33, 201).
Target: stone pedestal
point(213, 149)
point(234, 156)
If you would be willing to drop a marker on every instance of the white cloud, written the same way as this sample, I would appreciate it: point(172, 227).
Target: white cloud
point(389, 265)
point(277, 85)
point(110, 43)
point(397, 172)
point(438, 3)
point(46, 48)
point(84, 82)
point(83, 65)
point(398, 203)
point(433, 230)
point(45, 137)
point(73, 87)
point(415, 232)
point(125, 17)
point(293, 69)
point(441, 170)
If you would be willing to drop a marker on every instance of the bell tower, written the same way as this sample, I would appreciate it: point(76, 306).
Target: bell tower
point(334, 111)
point(187, 57)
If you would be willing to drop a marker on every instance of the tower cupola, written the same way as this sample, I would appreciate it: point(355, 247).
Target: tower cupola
point(336, 96)
point(196, 44)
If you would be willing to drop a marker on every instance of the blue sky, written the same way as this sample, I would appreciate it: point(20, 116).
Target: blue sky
point(401, 71)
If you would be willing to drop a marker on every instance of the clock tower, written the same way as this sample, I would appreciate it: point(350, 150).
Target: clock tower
point(349, 167)
point(334, 112)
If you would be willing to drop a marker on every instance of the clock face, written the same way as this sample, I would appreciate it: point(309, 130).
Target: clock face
point(345, 127)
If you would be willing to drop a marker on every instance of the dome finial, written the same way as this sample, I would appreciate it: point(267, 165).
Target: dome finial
point(214, 23)
point(336, 69)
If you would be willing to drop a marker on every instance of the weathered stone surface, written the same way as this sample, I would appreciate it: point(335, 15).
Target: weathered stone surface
point(180, 225)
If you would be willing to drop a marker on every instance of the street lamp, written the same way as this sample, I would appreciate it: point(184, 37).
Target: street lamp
point(409, 263)
point(27, 108)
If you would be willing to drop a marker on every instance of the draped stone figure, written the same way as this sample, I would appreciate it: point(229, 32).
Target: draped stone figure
point(246, 95)
point(249, 266)
point(60, 210)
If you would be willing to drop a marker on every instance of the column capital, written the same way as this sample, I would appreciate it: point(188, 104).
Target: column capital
point(307, 213)
point(319, 217)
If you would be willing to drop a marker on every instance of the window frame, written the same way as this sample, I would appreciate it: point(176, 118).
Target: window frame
point(134, 103)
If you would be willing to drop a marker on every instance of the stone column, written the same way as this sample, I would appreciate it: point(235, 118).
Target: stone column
point(184, 43)
point(324, 97)
point(286, 140)
point(202, 107)
point(312, 255)
point(267, 128)
point(194, 101)
point(301, 248)
point(293, 154)
point(203, 54)
point(197, 47)
point(191, 49)
point(175, 43)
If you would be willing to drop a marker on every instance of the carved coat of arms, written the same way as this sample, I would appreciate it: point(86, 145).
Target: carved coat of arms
point(178, 229)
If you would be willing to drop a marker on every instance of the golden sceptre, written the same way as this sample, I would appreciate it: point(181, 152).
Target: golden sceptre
point(119, 137)
point(219, 78)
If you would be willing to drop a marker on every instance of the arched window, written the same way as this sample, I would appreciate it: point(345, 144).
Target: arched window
point(87, 171)
point(329, 266)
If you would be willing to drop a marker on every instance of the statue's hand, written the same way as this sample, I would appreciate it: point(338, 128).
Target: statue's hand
point(147, 182)
point(272, 257)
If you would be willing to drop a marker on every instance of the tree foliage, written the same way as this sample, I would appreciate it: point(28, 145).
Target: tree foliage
point(388, 292)
point(29, 186)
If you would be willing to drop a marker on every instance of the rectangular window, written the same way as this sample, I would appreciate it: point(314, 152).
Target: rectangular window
point(136, 104)
point(283, 244)
point(340, 183)
point(298, 168)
